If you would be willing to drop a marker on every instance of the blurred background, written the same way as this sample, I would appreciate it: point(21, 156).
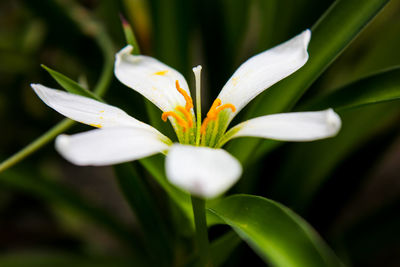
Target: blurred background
point(52, 212)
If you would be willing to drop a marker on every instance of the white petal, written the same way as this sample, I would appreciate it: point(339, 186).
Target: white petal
point(265, 69)
point(151, 78)
point(86, 110)
point(203, 171)
point(109, 146)
point(294, 126)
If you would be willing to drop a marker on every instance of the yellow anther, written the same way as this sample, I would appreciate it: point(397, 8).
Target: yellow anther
point(213, 113)
point(188, 99)
point(187, 115)
point(161, 73)
point(179, 120)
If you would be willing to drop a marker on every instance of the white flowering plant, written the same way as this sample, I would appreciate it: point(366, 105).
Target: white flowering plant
point(199, 183)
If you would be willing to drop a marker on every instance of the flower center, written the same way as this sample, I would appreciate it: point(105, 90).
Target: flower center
point(184, 117)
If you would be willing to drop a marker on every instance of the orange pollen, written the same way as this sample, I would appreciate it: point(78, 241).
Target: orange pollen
point(225, 106)
point(188, 121)
point(188, 99)
point(179, 120)
point(187, 115)
point(213, 113)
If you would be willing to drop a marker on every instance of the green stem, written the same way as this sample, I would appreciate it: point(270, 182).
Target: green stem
point(202, 242)
point(104, 42)
point(38, 143)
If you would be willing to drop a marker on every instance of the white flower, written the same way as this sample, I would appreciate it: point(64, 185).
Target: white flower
point(198, 164)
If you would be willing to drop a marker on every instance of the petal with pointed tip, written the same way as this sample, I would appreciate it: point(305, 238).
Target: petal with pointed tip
point(202, 171)
point(265, 69)
point(151, 78)
point(86, 110)
point(294, 126)
point(109, 146)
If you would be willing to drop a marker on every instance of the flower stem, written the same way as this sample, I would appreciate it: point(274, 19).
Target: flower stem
point(38, 143)
point(202, 242)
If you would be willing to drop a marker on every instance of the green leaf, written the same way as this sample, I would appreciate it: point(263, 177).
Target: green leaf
point(341, 23)
point(155, 166)
point(70, 85)
point(36, 144)
point(276, 233)
point(144, 207)
point(105, 44)
point(58, 194)
point(296, 185)
point(130, 36)
point(221, 249)
point(51, 259)
point(380, 87)
point(380, 226)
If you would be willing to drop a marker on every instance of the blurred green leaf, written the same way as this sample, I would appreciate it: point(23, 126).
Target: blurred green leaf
point(56, 193)
point(51, 259)
point(130, 36)
point(311, 164)
point(143, 206)
point(340, 24)
point(221, 249)
point(70, 85)
point(155, 166)
point(172, 21)
point(276, 233)
point(380, 87)
point(373, 234)
point(153, 113)
point(36, 144)
point(105, 44)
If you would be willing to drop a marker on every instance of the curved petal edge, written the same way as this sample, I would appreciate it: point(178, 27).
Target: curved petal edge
point(265, 69)
point(294, 126)
point(204, 172)
point(109, 146)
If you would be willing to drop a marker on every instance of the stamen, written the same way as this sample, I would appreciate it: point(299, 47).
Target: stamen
point(213, 113)
point(225, 106)
point(179, 120)
point(188, 121)
point(188, 99)
point(187, 115)
point(204, 125)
